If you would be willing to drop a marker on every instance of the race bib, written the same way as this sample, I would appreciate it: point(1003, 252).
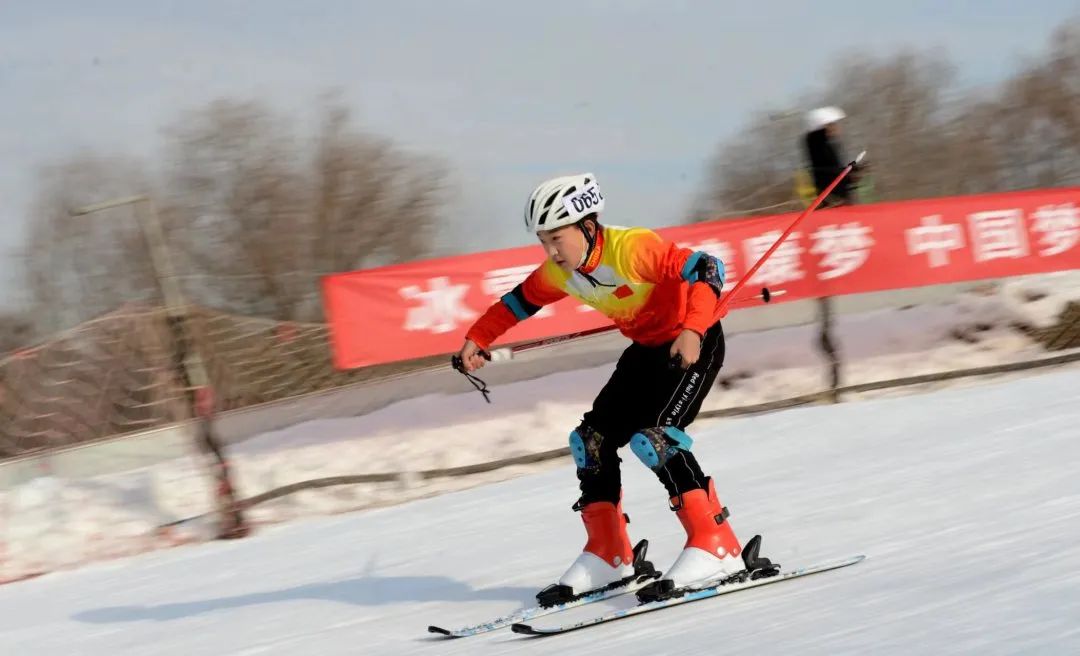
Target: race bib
point(584, 201)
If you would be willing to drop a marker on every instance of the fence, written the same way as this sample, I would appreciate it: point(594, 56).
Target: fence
point(118, 374)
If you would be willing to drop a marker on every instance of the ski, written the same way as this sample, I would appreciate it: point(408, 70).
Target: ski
point(687, 597)
point(534, 612)
point(644, 573)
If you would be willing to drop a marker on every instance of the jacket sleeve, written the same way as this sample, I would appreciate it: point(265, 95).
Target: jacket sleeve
point(652, 259)
point(520, 303)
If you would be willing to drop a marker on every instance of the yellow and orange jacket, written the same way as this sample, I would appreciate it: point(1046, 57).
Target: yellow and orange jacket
point(651, 288)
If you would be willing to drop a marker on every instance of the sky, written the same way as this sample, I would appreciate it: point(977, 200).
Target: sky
point(506, 94)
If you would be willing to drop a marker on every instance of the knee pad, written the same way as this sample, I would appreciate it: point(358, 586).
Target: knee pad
point(655, 446)
point(585, 447)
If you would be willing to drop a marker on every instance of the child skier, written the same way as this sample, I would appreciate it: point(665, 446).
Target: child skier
point(665, 299)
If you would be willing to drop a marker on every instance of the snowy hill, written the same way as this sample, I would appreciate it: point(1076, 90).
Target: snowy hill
point(966, 502)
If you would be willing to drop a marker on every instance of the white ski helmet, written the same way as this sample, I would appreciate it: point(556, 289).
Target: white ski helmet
point(562, 201)
point(822, 116)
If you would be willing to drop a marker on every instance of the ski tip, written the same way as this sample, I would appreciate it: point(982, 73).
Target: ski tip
point(523, 629)
point(439, 630)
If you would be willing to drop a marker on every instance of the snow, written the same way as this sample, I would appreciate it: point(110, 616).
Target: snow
point(54, 523)
point(965, 500)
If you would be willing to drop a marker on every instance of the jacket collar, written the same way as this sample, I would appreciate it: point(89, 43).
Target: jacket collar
point(592, 260)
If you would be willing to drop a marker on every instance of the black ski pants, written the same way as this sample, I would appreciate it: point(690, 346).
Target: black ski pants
point(645, 391)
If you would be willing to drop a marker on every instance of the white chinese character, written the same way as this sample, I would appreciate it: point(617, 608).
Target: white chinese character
point(845, 248)
point(782, 266)
point(936, 239)
point(500, 281)
point(440, 308)
point(722, 251)
point(1059, 225)
point(998, 233)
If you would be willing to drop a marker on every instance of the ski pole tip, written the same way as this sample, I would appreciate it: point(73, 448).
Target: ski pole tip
point(860, 157)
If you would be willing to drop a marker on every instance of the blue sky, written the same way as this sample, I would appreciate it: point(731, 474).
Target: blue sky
point(506, 93)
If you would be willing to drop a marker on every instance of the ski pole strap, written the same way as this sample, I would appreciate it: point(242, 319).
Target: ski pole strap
point(480, 385)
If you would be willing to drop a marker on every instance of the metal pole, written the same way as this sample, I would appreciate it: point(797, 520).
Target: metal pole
point(190, 364)
point(175, 303)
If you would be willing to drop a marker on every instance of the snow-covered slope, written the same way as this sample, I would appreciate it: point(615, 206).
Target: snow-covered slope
point(966, 501)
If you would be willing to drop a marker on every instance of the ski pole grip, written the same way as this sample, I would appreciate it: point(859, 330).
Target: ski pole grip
point(458, 364)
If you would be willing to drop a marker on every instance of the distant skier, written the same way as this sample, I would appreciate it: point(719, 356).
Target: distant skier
point(665, 299)
point(824, 157)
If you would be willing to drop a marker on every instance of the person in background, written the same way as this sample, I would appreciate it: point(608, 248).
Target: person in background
point(825, 157)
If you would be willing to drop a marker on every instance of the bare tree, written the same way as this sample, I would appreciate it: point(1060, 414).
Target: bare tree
point(259, 219)
point(754, 173)
point(924, 136)
point(253, 215)
point(897, 111)
point(76, 268)
point(375, 205)
point(235, 194)
point(16, 331)
point(1036, 126)
point(1064, 68)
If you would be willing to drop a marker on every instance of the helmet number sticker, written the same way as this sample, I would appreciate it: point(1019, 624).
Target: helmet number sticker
point(584, 201)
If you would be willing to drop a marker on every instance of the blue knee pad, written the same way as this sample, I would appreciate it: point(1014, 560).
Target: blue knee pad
point(583, 443)
point(655, 446)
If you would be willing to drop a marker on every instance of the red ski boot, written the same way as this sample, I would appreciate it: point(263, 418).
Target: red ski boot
point(712, 551)
point(607, 560)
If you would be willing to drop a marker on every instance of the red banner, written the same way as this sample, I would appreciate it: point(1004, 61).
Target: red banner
point(424, 308)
